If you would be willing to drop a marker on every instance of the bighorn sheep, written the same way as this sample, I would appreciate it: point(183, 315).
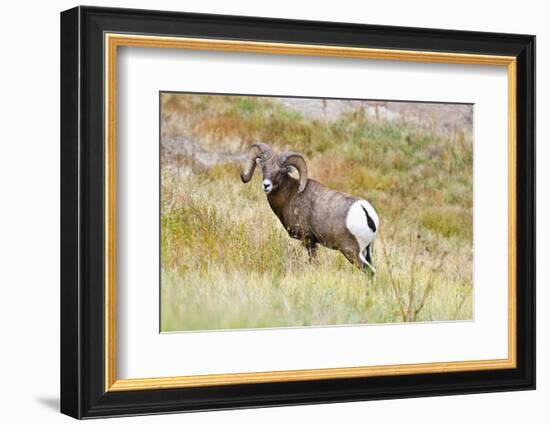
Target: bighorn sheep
point(312, 212)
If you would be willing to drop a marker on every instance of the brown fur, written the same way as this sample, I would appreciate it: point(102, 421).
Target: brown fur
point(315, 215)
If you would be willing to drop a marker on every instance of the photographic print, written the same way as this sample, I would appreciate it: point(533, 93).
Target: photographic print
point(290, 212)
point(255, 184)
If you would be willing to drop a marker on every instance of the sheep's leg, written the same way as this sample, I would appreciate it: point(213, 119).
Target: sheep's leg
point(367, 258)
point(355, 256)
point(366, 265)
point(352, 256)
point(368, 254)
point(311, 247)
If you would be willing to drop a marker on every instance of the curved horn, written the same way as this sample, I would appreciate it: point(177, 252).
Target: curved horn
point(264, 149)
point(296, 160)
point(257, 150)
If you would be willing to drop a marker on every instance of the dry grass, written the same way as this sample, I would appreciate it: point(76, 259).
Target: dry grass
point(228, 263)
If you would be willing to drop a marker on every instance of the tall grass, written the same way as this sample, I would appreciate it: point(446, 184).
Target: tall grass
point(228, 263)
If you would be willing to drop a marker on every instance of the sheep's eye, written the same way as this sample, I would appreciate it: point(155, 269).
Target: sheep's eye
point(288, 169)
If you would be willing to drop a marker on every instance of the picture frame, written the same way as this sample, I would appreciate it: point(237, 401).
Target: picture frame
point(90, 40)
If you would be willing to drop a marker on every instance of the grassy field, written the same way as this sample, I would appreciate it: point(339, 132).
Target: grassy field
point(228, 263)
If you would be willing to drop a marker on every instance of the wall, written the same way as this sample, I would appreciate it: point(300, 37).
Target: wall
point(29, 228)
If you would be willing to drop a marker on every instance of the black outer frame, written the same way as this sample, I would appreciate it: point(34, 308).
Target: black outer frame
point(82, 219)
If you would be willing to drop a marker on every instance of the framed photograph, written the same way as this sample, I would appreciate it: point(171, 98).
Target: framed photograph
point(261, 212)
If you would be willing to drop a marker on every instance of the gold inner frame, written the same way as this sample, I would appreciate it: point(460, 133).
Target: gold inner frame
point(113, 41)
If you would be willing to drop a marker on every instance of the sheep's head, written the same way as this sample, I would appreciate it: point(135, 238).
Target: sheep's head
point(275, 167)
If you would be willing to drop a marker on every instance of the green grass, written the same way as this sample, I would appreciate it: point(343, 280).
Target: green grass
point(228, 263)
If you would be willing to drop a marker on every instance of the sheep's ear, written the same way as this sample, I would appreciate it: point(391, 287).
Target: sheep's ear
point(296, 160)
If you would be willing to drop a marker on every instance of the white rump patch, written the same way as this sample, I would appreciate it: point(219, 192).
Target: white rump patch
point(357, 224)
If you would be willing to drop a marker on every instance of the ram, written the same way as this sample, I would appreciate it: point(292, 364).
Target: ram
point(310, 211)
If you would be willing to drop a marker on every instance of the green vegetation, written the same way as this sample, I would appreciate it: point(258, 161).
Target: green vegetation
point(228, 263)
